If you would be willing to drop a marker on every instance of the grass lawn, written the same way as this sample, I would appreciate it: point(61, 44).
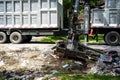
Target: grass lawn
point(65, 76)
point(56, 38)
point(87, 77)
point(53, 38)
point(93, 40)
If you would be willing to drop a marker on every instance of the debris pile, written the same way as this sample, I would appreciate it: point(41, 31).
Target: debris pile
point(20, 75)
point(107, 64)
point(27, 63)
point(103, 62)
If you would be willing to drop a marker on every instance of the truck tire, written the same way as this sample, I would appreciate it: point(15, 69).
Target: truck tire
point(3, 37)
point(16, 38)
point(112, 38)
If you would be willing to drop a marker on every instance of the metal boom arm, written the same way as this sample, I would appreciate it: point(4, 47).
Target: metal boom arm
point(72, 48)
point(74, 33)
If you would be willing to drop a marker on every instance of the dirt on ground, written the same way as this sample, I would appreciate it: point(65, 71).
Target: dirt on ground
point(33, 61)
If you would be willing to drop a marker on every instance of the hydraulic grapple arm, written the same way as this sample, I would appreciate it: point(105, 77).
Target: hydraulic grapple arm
point(75, 32)
point(72, 48)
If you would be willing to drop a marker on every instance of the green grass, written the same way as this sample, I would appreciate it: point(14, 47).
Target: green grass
point(1, 76)
point(56, 38)
point(53, 38)
point(65, 76)
point(92, 40)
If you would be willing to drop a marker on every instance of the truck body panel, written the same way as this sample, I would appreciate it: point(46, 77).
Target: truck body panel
point(32, 14)
point(108, 18)
point(107, 21)
point(112, 4)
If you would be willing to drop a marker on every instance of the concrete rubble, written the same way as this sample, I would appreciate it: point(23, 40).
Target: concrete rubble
point(32, 63)
point(107, 64)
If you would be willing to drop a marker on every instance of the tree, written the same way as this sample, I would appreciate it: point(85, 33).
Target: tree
point(68, 4)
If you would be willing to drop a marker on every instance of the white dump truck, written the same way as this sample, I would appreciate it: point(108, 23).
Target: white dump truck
point(22, 19)
point(107, 21)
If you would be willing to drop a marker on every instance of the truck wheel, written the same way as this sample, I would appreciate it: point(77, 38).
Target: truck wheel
point(16, 38)
point(3, 37)
point(112, 38)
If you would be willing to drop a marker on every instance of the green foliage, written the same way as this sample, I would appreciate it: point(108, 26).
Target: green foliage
point(68, 6)
point(81, 11)
point(96, 2)
point(67, 2)
point(93, 3)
